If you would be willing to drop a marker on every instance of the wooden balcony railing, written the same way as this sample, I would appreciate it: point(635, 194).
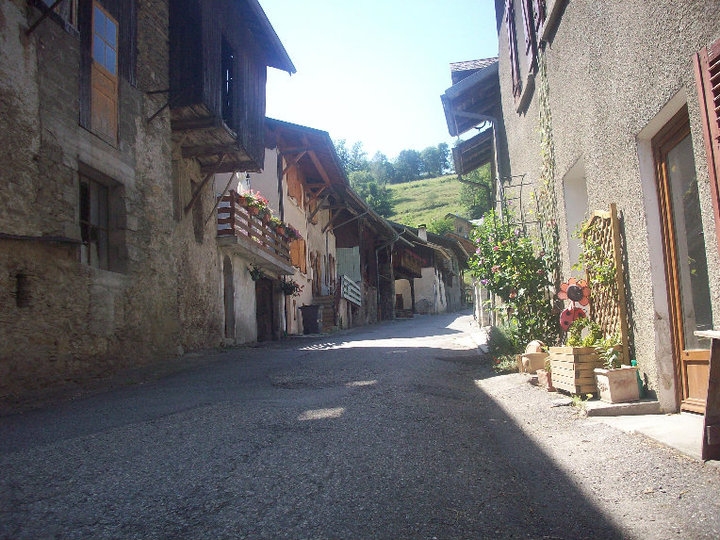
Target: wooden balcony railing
point(239, 226)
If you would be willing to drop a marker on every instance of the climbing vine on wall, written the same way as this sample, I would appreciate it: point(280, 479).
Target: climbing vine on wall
point(545, 197)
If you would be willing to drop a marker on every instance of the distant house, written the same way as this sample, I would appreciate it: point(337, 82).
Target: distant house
point(428, 271)
point(590, 108)
point(115, 117)
point(461, 226)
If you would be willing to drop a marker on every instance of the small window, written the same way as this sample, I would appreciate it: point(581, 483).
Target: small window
point(94, 224)
point(101, 217)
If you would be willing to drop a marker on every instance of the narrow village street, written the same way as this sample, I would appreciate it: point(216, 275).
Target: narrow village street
point(390, 431)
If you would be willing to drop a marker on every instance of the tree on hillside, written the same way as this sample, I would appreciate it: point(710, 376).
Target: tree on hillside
point(408, 166)
point(376, 195)
point(382, 169)
point(476, 192)
point(354, 159)
point(435, 160)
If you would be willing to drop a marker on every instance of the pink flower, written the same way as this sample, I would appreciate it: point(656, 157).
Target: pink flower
point(495, 248)
point(496, 268)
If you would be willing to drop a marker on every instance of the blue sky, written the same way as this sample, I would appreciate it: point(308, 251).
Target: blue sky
point(373, 70)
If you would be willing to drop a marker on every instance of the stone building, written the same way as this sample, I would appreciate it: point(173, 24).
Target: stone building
point(114, 116)
point(597, 104)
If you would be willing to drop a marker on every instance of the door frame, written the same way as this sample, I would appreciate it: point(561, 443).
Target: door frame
point(684, 360)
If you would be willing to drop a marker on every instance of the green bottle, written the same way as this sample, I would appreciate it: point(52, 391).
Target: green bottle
point(641, 388)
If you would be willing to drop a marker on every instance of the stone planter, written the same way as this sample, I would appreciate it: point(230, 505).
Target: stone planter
point(617, 385)
point(572, 369)
point(545, 380)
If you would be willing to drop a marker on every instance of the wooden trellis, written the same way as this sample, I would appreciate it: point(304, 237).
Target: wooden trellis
point(608, 305)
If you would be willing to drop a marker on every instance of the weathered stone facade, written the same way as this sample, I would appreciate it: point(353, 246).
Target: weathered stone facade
point(71, 310)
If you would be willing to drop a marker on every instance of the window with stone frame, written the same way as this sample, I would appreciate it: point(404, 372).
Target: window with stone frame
point(101, 218)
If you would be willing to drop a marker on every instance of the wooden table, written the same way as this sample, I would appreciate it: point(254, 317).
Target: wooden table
point(711, 424)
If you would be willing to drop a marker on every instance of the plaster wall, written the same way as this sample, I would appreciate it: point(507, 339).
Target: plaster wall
point(430, 292)
point(613, 70)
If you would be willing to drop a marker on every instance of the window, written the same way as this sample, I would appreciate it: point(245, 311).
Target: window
point(533, 22)
point(94, 223)
point(101, 216)
point(104, 75)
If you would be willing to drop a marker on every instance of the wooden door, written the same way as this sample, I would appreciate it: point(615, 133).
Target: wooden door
point(264, 309)
point(685, 259)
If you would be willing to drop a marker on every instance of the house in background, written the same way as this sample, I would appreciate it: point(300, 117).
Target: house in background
point(115, 116)
point(614, 106)
point(428, 272)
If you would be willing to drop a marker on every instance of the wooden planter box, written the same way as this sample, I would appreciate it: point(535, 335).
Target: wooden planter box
point(572, 369)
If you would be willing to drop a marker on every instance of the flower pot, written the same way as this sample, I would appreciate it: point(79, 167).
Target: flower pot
point(532, 361)
point(545, 379)
point(617, 385)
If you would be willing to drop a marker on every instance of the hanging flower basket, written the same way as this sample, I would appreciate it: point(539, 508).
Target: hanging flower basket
point(291, 287)
point(255, 273)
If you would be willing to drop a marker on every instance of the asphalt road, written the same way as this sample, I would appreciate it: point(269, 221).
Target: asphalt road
point(392, 431)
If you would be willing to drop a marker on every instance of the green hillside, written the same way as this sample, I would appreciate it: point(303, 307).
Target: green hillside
point(423, 201)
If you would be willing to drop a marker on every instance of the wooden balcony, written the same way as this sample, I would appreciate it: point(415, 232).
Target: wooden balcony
point(243, 233)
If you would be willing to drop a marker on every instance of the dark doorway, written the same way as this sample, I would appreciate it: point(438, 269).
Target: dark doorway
point(264, 309)
point(229, 298)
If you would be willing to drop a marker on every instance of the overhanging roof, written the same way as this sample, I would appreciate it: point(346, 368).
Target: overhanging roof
point(259, 24)
point(473, 153)
point(472, 100)
point(313, 152)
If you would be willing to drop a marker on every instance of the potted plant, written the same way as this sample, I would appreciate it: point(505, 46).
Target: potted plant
point(291, 233)
point(291, 287)
point(255, 273)
point(277, 225)
point(615, 383)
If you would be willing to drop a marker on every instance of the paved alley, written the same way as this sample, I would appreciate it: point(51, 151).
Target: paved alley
point(391, 431)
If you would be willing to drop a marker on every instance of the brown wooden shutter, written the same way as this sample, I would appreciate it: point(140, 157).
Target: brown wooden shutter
point(529, 28)
point(297, 255)
point(707, 75)
point(295, 189)
point(512, 46)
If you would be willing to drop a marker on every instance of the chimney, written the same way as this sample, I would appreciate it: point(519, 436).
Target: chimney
point(422, 232)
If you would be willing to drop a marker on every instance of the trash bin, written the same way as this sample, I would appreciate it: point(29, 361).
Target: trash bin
point(311, 319)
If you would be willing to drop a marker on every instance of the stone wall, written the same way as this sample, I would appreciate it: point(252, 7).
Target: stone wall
point(63, 320)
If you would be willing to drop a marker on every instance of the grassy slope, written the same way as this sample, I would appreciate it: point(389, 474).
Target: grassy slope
point(423, 201)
